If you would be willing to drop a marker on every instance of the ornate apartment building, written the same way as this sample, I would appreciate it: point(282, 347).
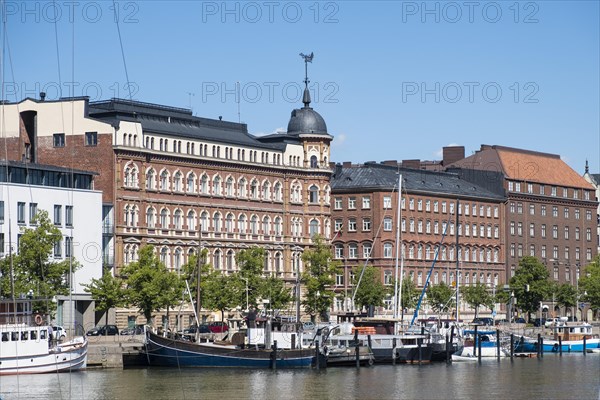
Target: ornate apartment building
point(594, 179)
point(365, 221)
point(181, 182)
point(550, 212)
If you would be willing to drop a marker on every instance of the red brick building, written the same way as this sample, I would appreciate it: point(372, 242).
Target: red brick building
point(364, 212)
point(550, 211)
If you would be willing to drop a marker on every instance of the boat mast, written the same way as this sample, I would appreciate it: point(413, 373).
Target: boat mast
point(398, 291)
point(457, 258)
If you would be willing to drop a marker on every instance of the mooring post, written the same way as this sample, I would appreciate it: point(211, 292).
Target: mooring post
point(356, 349)
point(317, 354)
point(560, 345)
point(447, 349)
point(419, 342)
point(274, 355)
point(498, 343)
point(584, 345)
point(478, 348)
point(539, 345)
point(512, 345)
point(394, 351)
point(475, 339)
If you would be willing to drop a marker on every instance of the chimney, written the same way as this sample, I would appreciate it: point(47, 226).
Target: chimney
point(416, 164)
point(393, 163)
point(452, 154)
point(42, 96)
point(347, 164)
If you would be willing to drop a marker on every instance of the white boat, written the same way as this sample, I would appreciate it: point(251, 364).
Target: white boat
point(26, 349)
point(489, 345)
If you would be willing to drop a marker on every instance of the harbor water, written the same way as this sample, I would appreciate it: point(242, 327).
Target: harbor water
point(572, 376)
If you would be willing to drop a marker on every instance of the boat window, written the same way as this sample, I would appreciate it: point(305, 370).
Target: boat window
point(5, 336)
point(14, 336)
point(33, 335)
point(43, 334)
point(24, 335)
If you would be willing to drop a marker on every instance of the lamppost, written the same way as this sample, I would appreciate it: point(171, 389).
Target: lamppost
point(296, 261)
point(246, 280)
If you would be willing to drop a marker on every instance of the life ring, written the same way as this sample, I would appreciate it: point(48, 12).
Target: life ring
point(38, 319)
point(555, 347)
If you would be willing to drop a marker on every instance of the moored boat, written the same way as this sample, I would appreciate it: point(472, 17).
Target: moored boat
point(163, 351)
point(571, 339)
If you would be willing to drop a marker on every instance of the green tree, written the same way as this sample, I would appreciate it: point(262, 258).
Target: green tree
point(107, 292)
point(251, 264)
point(589, 284)
point(33, 270)
point(190, 273)
point(410, 295)
point(476, 296)
point(371, 291)
point(143, 282)
point(171, 289)
point(530, 284)
point(221, 292)
point(440, 297)
point(565, 295)
point(274, 289)
point(318, 278)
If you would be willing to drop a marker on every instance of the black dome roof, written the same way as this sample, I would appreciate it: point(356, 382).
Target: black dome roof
point(306, 120)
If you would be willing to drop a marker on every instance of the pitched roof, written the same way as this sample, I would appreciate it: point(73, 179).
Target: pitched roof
point(524, 165)
point(373, 177)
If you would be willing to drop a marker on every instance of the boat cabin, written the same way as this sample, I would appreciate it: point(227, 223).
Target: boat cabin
point(572, 332)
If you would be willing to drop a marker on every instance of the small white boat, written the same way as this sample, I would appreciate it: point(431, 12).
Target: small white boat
point(26, 349)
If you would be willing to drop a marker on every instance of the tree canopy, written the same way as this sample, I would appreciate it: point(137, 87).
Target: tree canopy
point(318, 277)
point(440, 297)
point(589, 284)
point(34, 270)
point(371, 291)
point(107, 292)
point(530, 284)
point(477, 296)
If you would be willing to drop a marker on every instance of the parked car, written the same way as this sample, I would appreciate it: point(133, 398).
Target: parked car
point(109, 330)
point(218, 327)
point(554, 321)
point(203, 328)
point(520, 320)
point(539, 322)
point(483, 321)
point(135, 330)
point(571, 319)
point(58, 332)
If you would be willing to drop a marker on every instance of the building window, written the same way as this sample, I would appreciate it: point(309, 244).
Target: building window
point(58, 140)
point(366, 226)
point(57, 215)
point(543, 251)
point(366, 250)
point(420, 205)
point(20, 213)
point(68, 246)
point(1, 211)
point(566, 232)
point(339, 251)
point(58, 249)
point(387, 277)
point(554, 231)
point(543, 210)
point(387, 250)
point(519, 229)
point(576, 233)
point(91, 138)
point(33, 208)
point(314, 194)
point(588, 215)
point(339, 280)
point(531, 230)
point(366, 202)
point(352, 250)
point(387, 224)
point(555, 212)
point(555, 252)
point(352, 203)
point(428, 205)
point(512, 207)
point(69, 216)
point(529, 188)
point(588, 234)
point(532, 209)
point(337, 203)
point(387, 202)
point(352, 225)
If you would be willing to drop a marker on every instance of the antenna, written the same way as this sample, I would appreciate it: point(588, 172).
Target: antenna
point(237, 98)
point(190, 95)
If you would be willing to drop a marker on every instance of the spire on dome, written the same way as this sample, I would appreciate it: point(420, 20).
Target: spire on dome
point(306, 95)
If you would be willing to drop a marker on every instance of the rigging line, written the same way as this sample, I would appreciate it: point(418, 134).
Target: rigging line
point(372, 246)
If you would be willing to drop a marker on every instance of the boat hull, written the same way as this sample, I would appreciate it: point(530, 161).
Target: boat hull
point(61, 359)
point(173, 353)
point(552, 346)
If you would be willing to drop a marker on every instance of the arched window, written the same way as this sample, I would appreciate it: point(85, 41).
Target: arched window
point(314, 194)
point(230, 260)
point(313, 162)
point(204, 184)
point(266, 191)
point(177, 219)
point(150, 218)
point(177, 259)
point(191, 183)
point(177, 178)
point(164, 180)
point(164, 256)
point(254, 189)
point(217, 185)
point(217, 222)
point(313, 227)
point(164, 218)
point(277, 191)
point(242, 224)
point(230, 187)
point(242, 185)
point(204, 221)
point(254, 225)
point(191, 220)
point(150, 179)
point(130, 176)
point(278, 263)
point(229, 223)
point(278, 226)
point(387, 250)
point(217, 259)
point(266, 226)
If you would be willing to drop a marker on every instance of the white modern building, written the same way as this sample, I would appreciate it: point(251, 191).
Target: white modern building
point(74, 207)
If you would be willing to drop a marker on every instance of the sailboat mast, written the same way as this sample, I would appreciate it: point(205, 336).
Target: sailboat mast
point(457, 257)
point(398, 291)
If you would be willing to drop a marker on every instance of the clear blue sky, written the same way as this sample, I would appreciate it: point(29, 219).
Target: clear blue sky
point(395, 80)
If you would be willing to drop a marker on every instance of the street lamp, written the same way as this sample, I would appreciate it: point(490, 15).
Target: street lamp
point(296, 261)
point(246, 280)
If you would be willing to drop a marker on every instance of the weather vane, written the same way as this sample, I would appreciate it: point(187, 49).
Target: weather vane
point(307, 59)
